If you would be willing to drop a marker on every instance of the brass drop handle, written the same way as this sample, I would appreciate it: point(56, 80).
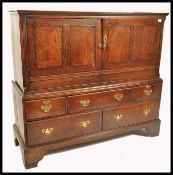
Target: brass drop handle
point(148, 90)
point(84, 124)
point(117, 117)
point(105, 38)
point(146, 112)
point(47, 131)
point(118, 97)
point(85, 102)
point(46, 107)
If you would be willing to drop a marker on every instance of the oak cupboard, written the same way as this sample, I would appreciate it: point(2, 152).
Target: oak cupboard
point(83, 77)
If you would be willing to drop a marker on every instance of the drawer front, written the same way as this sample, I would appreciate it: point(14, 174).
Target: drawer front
point(44, 108)
point(84, 102)
point(117, 97)
point(128, 75)
point(66, 81)
point(114, 118)
point(147, 92)
point(63, 127)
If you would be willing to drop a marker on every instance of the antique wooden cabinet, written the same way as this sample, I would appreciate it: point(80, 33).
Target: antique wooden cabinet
point(82, 77)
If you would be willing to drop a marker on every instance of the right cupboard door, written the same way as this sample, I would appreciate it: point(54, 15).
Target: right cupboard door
point(131, 42)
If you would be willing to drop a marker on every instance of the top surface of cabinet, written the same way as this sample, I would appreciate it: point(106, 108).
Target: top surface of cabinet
point(87, 14)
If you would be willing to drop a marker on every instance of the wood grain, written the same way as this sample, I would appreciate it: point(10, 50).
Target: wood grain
point(63, 127)
point(33, 108)
point(131, 42)
point(48, 43)
point(82, 45)
point(130, 114)
point(139, 94)
point(19, 110)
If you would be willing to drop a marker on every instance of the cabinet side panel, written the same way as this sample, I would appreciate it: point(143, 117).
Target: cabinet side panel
point(16, 48)
point(18, 109)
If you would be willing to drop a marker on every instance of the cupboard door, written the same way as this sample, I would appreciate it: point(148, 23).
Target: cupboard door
point(63, 45)
point(131, 42)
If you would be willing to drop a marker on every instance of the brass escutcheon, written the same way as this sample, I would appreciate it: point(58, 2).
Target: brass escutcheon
point(84, 123)
point(85, 102)
point(47, 106)
point(47, 131)
point(105, 41)
point(148, 90)
point(118, 97)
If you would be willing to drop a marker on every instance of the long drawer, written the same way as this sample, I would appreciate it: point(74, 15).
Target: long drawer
point(131, 114)
point(49, 130)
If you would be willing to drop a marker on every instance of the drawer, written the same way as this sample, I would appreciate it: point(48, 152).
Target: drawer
point(90, 101)
point(44, 108)
point(114, 118)
point(117, 97)
point(49, 130)
point(64, 81)
point(84, 102)
point(147, 92)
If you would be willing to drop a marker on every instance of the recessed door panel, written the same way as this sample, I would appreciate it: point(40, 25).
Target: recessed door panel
point(118, 44)
point(48, 42)
point(144, 43)
point(82, 45)
point(46, 46)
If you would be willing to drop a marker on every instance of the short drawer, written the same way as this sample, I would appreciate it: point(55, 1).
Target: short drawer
point(84, 102)
point(147, 92)
point(90, 101)
point(117, 97)
point(43, 108)
point(49, 130)
point(114, 118)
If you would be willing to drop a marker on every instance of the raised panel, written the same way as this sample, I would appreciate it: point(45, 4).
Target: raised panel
point(118, 44)
point(144, 43)
point(48, 43)
point(82, 45)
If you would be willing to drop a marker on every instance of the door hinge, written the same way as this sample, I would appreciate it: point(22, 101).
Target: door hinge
point(25, 20)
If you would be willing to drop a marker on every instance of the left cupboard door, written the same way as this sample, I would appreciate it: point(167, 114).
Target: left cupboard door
point(58, 46)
